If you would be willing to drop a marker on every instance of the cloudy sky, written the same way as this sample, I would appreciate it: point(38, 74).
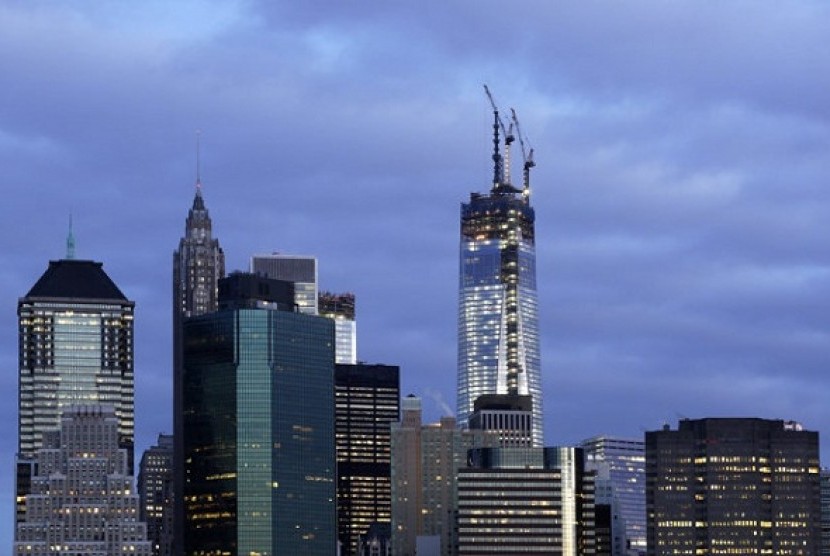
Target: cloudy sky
point(682, 190)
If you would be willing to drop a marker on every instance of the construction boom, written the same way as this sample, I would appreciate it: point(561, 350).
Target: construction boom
point(527, 156)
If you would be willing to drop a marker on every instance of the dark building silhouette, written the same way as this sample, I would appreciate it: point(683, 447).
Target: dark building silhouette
point(198, 264)
point(367, 402)
point(155, 490)
point(733, 486)
point(258, 426)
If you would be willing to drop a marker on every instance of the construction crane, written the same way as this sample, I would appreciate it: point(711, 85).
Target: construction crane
point(508, 139)
point(526, 155)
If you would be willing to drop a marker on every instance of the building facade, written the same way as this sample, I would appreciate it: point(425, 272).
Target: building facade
point(524, 501)
point(341, 308)
point(75, 348)
point(367, 402)
point(155, 491)
point(425, 463)
point(299, 269)
point(82, 500)
point(198, 264)
point(259, 434)
point(733, 486)
point(620, 466)
point(498, 325)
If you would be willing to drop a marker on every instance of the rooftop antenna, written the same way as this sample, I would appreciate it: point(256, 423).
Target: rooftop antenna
point(198, 162)
point(70, 241)
point(526, 155)
point(504, 170)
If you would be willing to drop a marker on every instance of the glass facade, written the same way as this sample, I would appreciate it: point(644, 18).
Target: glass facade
point(75, 333)
point(259, 433)
point(498, 325)
point(620, 464)
point(299, 269)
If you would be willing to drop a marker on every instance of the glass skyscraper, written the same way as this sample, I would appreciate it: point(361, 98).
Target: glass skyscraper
point(498, 325)
point(258, 425)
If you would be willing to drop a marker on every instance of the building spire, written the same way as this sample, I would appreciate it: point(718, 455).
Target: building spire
point(198, 161)
point(70, 241)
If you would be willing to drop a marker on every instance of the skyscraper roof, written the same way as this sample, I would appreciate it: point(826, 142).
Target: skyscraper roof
point(75, 279)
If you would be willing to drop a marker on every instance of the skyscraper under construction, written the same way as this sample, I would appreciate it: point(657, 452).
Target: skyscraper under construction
point(498, 328)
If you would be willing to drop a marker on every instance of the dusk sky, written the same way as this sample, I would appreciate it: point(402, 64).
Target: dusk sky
point(682, 187)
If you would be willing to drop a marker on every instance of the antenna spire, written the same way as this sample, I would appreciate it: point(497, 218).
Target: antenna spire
point(198, 160)
point(497, 164)
point(70, 241)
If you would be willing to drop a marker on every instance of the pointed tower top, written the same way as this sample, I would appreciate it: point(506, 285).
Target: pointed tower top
point(70, 241)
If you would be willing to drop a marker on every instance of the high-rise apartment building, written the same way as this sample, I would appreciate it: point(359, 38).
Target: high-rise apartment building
point(258, 426)
point(75, 348)
point(525, 500)
point(82, 499)
point(367, 402)
point(341, 308)
point(620, 466)
point(198, 264)
point(155, 491)
point(733, 486)
point(425, 463)
point(299, 269)
point(498, 326)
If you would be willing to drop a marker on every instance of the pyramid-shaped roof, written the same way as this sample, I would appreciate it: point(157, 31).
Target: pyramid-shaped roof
point(76, 279)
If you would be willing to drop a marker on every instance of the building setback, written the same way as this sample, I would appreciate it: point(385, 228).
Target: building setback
point(367, 402)
point(75, 348)
point(81, 500)
point(259, 437)
point(301, 270)
point(425, 463)
point(733, 486)
point(498, 325)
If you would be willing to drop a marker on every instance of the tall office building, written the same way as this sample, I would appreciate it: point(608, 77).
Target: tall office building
point(367, 402)
point(825, 513)
point(508, 416)
point(425, 463)
point(82, 500)
point(341, 308)
point(299, 269)
point(733, 486)
point(75, 347)
point(155, 491)
point(524, 501)
point(258, 425)
point(198, 264)
point(620, 465)
point(498, 328)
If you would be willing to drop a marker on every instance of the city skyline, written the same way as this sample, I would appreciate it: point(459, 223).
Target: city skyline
point(680, 194)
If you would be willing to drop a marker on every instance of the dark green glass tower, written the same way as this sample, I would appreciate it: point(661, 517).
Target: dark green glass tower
point(258, 421)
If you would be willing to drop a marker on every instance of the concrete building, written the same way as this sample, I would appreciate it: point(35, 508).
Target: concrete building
point(82, 500)
point(155, 491)
point(425, 462)
point(259, 431)
point(367, 402)
point(525, 501)
point(733, 486)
